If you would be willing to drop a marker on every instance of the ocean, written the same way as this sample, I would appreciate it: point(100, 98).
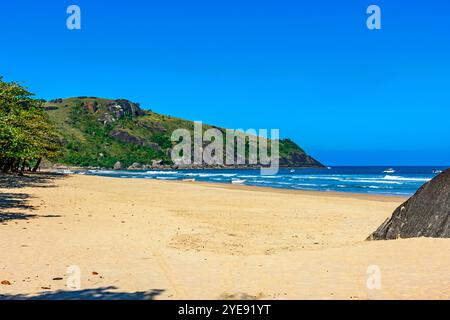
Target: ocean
point(399, 181)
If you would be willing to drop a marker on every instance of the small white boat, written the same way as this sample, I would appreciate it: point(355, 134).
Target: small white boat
point(292, 171)
point(189, 180)
point(390, 170)
point(237, 181)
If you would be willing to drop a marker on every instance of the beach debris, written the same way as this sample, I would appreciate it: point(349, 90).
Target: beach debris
point(241, 296)
point(425, 214)
point(94, 273)
point(57, 279)
point(5, 283)
point(46, 288)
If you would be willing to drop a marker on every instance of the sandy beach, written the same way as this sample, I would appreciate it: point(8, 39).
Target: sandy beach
point(149, 239)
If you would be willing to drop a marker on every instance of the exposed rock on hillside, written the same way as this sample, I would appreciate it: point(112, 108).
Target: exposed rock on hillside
point(117, 110)
point(122, 107)
point(99, 132)
point(125, 137)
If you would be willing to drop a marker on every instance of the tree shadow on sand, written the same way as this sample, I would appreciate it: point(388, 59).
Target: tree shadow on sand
point(19, 201)
point(42, 180)
point(102, 293)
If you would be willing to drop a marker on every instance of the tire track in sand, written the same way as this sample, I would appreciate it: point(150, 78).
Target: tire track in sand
point(180, 292)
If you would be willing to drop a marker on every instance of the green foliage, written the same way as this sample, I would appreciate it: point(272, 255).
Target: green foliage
point(89, 140)
point(162, 140)
point(26, 135)
point(287, 147)
point(94, 131)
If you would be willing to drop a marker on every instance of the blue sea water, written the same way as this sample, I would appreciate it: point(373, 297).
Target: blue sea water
point(400, 181)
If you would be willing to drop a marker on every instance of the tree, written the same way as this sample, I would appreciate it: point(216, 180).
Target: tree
point(26, 135)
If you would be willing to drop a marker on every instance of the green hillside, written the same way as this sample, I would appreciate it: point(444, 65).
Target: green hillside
point(99, 132)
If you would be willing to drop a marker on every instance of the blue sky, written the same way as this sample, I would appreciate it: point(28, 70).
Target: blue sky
point(346, 94)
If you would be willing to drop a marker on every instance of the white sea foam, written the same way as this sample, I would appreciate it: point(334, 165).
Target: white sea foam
point(160, 172)
point(388, 177)
point(379, 180)
point(105, 171)
point(372, 181)
point(307, 184)
point(207, 175)
point(317, 177)
point(400, 184)
point(271, 177)
point(65, 171)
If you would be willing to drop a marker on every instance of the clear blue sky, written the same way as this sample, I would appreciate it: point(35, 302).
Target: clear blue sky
point(348, 95)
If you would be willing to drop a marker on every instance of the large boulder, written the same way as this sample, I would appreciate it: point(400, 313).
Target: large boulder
point(118, 109)
point(118, 166)
point(156, 163)
point(125, 107)
point(136, 166)
point(426, 214)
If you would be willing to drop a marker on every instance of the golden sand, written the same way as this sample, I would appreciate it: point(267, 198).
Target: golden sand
point(185, 240)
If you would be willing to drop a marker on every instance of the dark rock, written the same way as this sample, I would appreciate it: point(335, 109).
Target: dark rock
point(118, 109)
point(50, 108)
point(426, 214)
point(299, 159)
point(153, 126)
point(122, 107)
point(154, 146)
point(126, 137)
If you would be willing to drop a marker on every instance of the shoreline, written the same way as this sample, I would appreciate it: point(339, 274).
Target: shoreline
point(223, 185)
point(154, 239)
point(350, 193)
